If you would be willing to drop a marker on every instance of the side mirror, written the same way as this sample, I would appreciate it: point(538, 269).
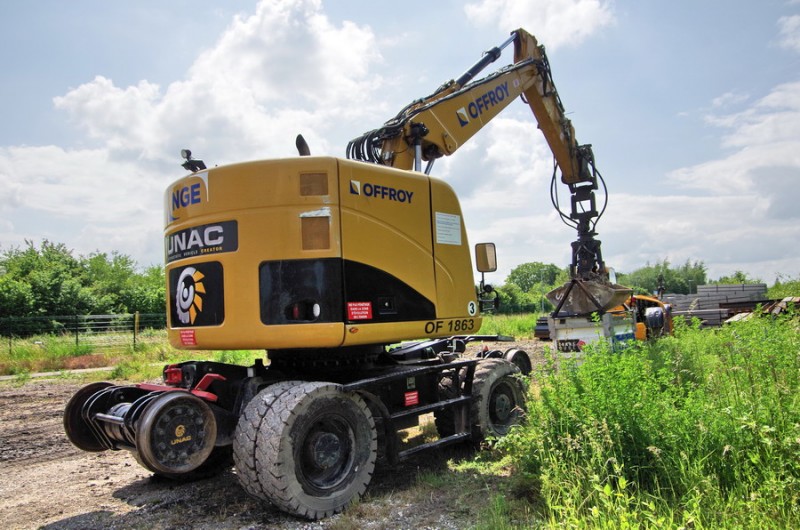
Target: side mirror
point(486, 257)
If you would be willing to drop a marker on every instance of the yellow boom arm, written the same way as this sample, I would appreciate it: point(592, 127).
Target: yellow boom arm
point(439, 124)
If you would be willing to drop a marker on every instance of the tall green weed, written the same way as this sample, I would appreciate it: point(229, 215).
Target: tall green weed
point(700, 429)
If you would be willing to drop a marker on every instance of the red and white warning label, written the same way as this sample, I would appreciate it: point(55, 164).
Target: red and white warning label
point(359, 310)
point(188, 337)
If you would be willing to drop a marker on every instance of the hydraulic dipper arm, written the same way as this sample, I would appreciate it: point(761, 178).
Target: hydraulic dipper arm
point(439, 124)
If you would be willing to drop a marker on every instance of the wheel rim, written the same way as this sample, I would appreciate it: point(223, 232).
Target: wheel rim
point(327, 454)
point(176, 433)
point(503, 407)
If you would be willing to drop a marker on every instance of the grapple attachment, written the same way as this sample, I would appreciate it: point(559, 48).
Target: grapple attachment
point(584, 297)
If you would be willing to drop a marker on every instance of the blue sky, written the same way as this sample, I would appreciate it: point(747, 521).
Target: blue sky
point(693, 110)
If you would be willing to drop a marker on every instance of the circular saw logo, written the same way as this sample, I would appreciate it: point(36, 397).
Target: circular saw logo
point(190, 291)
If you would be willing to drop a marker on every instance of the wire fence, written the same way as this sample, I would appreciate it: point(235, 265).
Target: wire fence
point(98, 333)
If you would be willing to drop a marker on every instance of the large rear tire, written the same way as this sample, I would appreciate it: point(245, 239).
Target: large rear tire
point(247, 432)
point(499, 402)
point(308, 448)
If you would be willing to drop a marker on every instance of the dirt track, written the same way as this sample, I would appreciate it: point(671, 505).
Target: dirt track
point(47, 483)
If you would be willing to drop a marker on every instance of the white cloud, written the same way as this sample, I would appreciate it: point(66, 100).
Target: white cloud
point(765, 138)
point(789, 32)
point(554, 22)
point(728, 99)
point(744, 216)
point(284, 70)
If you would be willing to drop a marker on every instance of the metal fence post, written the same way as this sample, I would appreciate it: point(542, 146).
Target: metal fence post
point(9, 330)
point(135, 328)
point(75, 321)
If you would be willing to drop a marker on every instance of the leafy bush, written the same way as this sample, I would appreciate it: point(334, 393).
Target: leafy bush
point(784, 286)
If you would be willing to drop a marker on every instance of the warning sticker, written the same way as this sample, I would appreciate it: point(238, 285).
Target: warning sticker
point(359, 310)
point(188, 337)
point(448, 229)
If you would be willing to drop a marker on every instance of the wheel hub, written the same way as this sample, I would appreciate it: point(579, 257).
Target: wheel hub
point(326, 449)
point(502, 407)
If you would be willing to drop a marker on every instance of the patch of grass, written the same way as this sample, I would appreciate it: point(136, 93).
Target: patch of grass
point(21, 378)
point(240, 357)
point(135, 370)
point(518, 326)
point(39, 354)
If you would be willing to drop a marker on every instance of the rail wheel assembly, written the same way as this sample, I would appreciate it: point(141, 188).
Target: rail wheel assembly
point(308, 448)
point(171, 433)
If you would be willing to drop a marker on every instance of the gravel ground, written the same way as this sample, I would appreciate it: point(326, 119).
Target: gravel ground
point(50, 484)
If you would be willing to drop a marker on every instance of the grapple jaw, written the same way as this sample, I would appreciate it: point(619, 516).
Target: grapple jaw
point(584, 297)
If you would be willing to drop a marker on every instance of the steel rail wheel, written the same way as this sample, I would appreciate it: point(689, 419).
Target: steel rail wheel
point(175, 434)
point(78, 430)
point(520, 359)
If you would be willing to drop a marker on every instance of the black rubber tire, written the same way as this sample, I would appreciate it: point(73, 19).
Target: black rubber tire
point(247, 433)
point(499, 400)
point(308, 448)
point(519, 358)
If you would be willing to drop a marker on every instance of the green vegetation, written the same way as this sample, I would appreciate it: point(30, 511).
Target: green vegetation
point(682, 279)
point(50, 280)
point(784, 286)
point(527, 284)
point(47, 353)
point(519, 326)
point(698, 430)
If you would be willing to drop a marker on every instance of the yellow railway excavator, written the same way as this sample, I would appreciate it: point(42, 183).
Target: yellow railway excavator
point(355, 275)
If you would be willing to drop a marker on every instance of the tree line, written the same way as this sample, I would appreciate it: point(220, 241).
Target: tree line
point(49, 279)
point(526, 286)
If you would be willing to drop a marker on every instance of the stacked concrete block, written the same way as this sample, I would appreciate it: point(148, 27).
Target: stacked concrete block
point(705, 303)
